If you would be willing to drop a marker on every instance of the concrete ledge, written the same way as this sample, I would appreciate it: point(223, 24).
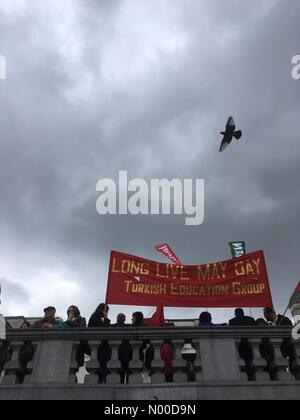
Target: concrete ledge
point(169, 392)
point(145, 333)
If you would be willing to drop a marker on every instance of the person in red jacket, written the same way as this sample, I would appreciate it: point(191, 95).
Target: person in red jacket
point(166, 356)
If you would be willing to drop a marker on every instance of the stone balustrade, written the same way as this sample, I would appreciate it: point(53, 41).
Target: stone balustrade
point(222, 357)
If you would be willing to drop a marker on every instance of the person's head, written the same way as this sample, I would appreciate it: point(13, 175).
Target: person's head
point(270, 314)
point(205, 317)
point(25, 325)
point(239, 312)
point(261, 322)
point(102, 310)
point(137, 319)
point(50, 313)
point(121, 318)
point(73, 312)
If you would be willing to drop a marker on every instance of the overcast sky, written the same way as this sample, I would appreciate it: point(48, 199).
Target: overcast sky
point(98, 86)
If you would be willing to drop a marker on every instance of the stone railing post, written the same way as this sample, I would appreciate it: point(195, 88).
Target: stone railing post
point(52, 361)
point(282, 364)
point(178, 363)
point(220, 360)
point(157, 364)
point(93, 364)
point(114, 365)
point(136, 366)
point(259, 363)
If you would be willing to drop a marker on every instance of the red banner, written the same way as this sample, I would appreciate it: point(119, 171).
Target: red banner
point(241, 282)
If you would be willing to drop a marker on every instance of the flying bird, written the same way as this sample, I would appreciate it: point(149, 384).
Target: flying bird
point(229, 134)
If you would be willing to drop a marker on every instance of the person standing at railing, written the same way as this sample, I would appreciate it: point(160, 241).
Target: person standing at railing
point(276, 320)
point(167, 354)
point(74, 320)
point(26, 354)
point(205, 320)
point(241, 320)
point(100, 319)
point(121, 321)
point(125, 352)
point(138, 319)
point(287, 348)
point(49, 320)
point(245, 349)
point(146, 351)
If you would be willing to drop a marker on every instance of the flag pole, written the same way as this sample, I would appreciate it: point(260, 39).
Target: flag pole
point(285, 312)
point(238, 249)
point(288, 307)
point(150, 313)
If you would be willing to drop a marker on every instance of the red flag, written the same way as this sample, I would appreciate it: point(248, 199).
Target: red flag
point(298, 288)
point(167, 251)
point(158, 319)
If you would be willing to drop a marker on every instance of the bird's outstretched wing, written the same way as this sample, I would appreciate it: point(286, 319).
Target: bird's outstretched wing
point(238, 135)
point(225, 143)
point(230, 126)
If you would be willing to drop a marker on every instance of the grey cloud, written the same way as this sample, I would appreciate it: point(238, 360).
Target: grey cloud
point(13, 290)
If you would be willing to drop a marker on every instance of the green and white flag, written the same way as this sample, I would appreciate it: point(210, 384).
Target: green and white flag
point(238, 248)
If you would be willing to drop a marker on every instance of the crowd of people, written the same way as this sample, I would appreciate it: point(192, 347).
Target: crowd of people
point(100, 319)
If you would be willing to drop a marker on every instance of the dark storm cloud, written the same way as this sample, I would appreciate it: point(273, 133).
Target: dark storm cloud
point(145, 88)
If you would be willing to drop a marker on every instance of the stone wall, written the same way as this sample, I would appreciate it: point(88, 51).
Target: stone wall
point(214, 363)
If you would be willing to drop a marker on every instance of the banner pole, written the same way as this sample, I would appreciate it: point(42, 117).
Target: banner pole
point(285, 312)
point(107, 286)
point(150, 313)
point(266, 271)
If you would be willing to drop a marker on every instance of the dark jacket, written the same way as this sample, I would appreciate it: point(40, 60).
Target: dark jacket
point(77, 323)
point(147, 354)
point(283, 321)
point(242, 321)
point(139, 324)
point(26, 353)
point(206, 324)
point(125, 353)
point(98, 322)
point(288, 349)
